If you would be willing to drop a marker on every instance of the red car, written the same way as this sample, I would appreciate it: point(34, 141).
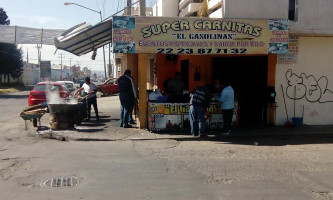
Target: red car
point(110, 86)
point(38, 93)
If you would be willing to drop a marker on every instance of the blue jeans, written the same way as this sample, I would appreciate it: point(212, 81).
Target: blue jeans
point(126, 107)
point(197, 119)
point(130, 117)
point(227, 119)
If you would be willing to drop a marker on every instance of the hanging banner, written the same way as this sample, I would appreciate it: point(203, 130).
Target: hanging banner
point(199, 35)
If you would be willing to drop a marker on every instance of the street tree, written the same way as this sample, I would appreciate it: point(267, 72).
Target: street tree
point(11, 62)
point(3, 17)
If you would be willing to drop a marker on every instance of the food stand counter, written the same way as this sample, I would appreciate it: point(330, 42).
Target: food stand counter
point(175, 116)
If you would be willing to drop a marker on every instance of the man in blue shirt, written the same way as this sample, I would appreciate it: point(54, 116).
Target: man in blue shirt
point(127, 95)
point(227, 104)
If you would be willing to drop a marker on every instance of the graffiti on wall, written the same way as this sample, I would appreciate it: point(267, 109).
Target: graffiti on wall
point(308, 87)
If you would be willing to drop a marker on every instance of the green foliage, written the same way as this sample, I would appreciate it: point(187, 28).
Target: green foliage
point(203, 10)
point(11, 62)
point(3, 17)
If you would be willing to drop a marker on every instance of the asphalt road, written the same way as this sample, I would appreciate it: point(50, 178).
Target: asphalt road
point(142, 165)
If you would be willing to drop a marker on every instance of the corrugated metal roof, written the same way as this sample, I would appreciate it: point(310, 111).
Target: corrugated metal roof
point(84, 38)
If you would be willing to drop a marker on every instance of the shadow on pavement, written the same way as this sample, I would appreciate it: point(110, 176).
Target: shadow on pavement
point(90, 130)
point(91, 124)
point(256, 140)
point(13, 96)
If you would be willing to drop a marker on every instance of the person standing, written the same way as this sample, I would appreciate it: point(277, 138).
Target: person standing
point(200, 100)
point(176, 86)
point(127, 95)
point(227, 104)
point(90, 89)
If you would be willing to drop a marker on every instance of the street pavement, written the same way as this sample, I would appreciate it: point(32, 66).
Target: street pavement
point(117, 163)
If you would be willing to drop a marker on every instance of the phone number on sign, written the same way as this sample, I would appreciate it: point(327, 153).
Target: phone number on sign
point(202, 51)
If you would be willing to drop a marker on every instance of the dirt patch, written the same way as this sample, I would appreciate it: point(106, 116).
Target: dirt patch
point(14, 165)
point(8, 90)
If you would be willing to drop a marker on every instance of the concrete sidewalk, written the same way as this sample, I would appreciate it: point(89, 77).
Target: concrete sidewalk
point(107, 129)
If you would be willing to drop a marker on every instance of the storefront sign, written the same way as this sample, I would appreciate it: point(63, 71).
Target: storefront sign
point(199, 35)
point(291, 56)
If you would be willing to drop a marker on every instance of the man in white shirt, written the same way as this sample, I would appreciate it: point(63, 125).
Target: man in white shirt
point(90, 89)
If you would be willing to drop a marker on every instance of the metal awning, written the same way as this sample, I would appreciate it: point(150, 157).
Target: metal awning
point(84, 38)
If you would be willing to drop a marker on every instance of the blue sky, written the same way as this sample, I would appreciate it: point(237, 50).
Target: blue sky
point(53, 14)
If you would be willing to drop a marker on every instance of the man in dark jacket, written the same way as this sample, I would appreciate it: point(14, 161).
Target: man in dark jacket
point(200, 100)
point(127, 95)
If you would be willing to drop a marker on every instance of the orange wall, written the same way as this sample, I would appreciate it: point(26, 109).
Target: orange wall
point(167, 69)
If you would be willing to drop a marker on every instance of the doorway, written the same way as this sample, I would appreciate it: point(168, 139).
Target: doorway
point(248, 77)
point(185, 70)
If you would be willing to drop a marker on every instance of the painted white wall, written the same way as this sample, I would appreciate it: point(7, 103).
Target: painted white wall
point(314, 17)
point(166, 8)
point(315, 60)
point(255, 9)
point(31, 74)
point(56, 73)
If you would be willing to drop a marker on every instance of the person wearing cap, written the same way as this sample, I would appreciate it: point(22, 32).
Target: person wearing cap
point(200, 100)
point(127, 95)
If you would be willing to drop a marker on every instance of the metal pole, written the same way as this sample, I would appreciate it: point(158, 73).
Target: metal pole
point(86, 7)
point(100, 14)
point(110, 69)
point(142, 7)
point(129, 8)
point(61, 67)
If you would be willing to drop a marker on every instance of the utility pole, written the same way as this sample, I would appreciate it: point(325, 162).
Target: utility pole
point(38, 51)
point(142, 7)
point(70, 62)
point(61, 56)
point(110, 67)
point(129, 7)
point(70, 67)
point(27, 55)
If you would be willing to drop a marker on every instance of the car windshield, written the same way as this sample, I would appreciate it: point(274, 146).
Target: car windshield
point(69, 85)
point(112, 81)
point(46, 87)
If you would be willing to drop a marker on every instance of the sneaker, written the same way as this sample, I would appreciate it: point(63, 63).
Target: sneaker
point(132, 122)
point(127, 126)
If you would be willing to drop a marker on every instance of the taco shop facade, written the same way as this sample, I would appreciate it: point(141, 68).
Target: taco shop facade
point(243, 51)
